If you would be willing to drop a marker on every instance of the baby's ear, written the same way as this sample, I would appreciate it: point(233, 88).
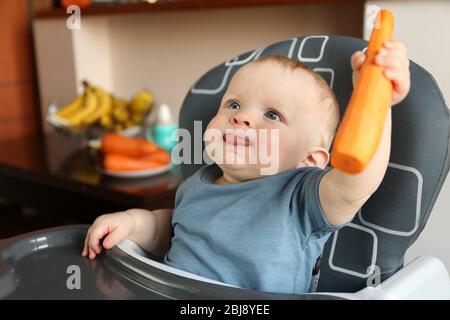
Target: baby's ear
point(316, 157)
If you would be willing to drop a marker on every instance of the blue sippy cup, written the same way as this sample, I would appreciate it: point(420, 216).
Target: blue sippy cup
point(163, 128)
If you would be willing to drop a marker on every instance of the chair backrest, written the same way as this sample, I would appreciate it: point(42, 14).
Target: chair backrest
point(373, 245)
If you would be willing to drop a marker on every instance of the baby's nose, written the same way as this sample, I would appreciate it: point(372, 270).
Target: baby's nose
point(240, 118)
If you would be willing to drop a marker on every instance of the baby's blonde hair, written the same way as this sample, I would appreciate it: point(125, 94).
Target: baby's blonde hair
point(328, 107)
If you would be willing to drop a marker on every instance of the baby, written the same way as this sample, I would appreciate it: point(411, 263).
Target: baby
point(235, 224)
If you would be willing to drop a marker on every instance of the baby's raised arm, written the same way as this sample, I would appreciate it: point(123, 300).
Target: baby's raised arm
point(151, 230)
point(342, 194)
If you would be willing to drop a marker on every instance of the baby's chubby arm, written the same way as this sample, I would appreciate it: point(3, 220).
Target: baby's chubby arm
point(151, 230)
point(341, 194)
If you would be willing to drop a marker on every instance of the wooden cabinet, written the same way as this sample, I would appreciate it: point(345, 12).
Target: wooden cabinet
point(43, 11)
point(18, 109)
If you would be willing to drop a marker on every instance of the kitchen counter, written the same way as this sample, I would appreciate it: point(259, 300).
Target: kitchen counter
point(55, 173)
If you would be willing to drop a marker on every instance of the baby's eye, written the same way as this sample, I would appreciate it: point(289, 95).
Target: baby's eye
point(234, 105)
point(272, 115)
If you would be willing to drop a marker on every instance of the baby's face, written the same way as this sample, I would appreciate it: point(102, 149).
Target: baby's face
point(264, 100)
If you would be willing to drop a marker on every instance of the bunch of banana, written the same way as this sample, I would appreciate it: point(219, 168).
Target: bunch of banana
point(97, 107)
point(142, 102)
point(104, 106)
point(126, 114)
point(87, 108)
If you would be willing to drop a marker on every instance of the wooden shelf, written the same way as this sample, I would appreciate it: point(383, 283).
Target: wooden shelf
point(175, 5)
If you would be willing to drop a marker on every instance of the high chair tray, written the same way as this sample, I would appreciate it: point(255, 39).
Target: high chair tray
point(47, 264)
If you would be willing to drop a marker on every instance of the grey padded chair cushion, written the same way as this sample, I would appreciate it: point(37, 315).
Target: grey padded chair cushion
point(395, 215)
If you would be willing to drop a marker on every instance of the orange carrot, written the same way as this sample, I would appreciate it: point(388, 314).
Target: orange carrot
point(118, 162)
point(362, 126)
point(127, 146)
point(160, 156)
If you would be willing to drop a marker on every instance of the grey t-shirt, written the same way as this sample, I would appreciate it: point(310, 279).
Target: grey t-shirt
point(264, 234)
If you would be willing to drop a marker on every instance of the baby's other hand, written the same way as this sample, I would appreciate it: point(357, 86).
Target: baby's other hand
point(394, 58)
point(115, 227)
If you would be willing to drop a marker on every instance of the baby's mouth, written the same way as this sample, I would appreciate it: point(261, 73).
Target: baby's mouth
point(236, 140)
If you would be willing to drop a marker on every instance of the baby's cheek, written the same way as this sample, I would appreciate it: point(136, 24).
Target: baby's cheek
point(272, 145)
point(212, 124)
point(283, 148)
point(213, 129)
point(288, 153)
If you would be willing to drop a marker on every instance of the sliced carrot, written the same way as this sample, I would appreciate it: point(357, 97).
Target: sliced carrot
point(118, 162)
point(160, 156)
point(127, 146)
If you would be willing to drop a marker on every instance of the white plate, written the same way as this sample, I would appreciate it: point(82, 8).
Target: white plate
point(137, 173)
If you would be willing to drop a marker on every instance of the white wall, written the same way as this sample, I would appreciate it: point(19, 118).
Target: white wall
point(55, 63)
point(93, 52)
point(424, 27)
